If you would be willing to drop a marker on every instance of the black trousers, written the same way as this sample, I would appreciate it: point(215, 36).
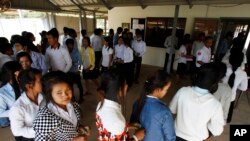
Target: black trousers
point(230, 112)
point(166, 62)
point(128, 73)
point(76, 78)
point(104, 69)
point(20, 138)
point(137, 64)
point(98, 57)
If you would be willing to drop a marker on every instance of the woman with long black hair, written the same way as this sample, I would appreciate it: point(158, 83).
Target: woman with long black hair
point(10, 91)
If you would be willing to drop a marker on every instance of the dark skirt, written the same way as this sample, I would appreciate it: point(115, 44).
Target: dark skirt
point(181, 69)
point(91, 74)
point(104, 69)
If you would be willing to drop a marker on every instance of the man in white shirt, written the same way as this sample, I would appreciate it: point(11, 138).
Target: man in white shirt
point(57, 56)
point(97, 44)
point(204, 54)
point(170, 43)
point(198, 44)
point(139, 48)
point(198, 111)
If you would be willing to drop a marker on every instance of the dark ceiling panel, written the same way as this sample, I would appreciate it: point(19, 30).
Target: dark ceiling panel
point(44, 5)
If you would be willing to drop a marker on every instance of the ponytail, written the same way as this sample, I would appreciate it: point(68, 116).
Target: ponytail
point(235, 60)
point(16, 88)
point(159, 80)
point(142, 99)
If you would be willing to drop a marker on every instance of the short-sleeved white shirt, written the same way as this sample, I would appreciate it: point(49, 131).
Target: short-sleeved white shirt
point(240, 81)
point(119, 51)
point(106, 51)
point(204, 55)
point(182, 50)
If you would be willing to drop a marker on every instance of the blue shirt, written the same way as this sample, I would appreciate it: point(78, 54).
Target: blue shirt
point(7, 99)
point(157, 120)
point(76, 60)
point(38, 61)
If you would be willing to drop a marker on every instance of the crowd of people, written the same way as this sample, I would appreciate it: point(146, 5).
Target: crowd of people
point(37, 97)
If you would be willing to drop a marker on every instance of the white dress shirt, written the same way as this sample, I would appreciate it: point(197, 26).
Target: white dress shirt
point(128, 55)
point(111, 117)
point(106, 52)
point(22, 115)
point(139, 47)
point(197, 112)
point(68, 115)
point(240, 81)
point(170, 44)
point(183, 51)
point(3, 59)
point(80, 41)
point(96, 43)
point(119, 51)
point(203, 55)
point(58, 59)
point(224, 94)
point(197, 45)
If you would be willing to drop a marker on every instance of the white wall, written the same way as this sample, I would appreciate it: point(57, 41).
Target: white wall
point(156, 56)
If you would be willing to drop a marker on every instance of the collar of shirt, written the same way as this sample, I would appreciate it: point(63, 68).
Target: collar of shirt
point(105, 47)
point(113, 104)
point(56, 47)
point(28, 101)
point(68, 115)
point(200, 90)
point(150, 96)
point(206, 48)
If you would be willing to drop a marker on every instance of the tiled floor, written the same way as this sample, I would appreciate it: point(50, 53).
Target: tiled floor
point(241, 113)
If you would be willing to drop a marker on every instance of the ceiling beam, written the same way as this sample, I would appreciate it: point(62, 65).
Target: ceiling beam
point(107, 4)
point(87, 4)
point(142, 4)
point(40, 5)
point(76, 4)
point(84, 9)
point(87, 10)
